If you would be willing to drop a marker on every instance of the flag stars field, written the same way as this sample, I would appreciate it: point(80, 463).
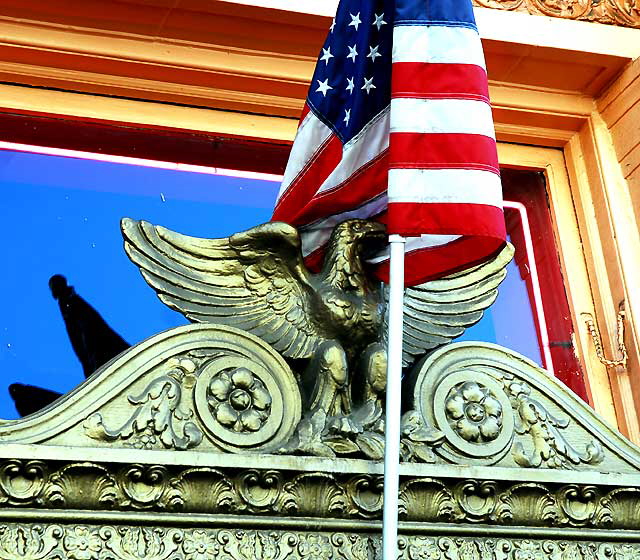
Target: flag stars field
point(379, 21)
point(373, 53)
point(324, 87)
point(368, 85)
point(326, 55)
point(350, 84)
point(355, 20)
point(397, 126)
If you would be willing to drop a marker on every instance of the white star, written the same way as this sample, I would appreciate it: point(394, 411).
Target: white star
point(351, 85)
point(379, 22)
point(352, 52)
point(347, 116)
point(326, 55)
point(373, 53)
point(333, 24)
point(368, 85)
point(324, 87)
point(355, 20)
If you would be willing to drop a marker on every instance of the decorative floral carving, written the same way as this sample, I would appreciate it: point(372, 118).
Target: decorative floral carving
point(239, 400)
point(315, 546)
point(481, 401)
point(474, 412)
point(28, 542)
point(319, 494)
point(617, 12)
point(82, 543)
point(200, 545)
point(140, 543)
point(528, 550)
point(157, 416)
point(550, 448)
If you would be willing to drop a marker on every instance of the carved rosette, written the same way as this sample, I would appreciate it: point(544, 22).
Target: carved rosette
point(244, 405)
point(616, 12)
point(230, 391)
point(113, 542)
point(483, 404)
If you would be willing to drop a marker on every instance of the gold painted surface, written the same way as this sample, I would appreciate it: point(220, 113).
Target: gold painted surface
point(88, 542)
point(616, 12)
point(257, 281)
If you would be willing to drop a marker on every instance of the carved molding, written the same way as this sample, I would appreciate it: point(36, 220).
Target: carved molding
point(86, 542)
point(272, 492)
point(617, 12)
point(215, 389)
point(481, 404)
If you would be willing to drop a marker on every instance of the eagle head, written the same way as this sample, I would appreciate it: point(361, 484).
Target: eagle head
point(351, 242)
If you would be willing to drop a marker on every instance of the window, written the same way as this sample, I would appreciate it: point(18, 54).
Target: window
point(66, 210)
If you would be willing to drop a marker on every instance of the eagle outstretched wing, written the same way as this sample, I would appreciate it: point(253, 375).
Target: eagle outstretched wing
point(254, 280)
point(438, 311)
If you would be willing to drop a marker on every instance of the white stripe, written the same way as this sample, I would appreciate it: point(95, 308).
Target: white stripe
point(461, 116)
point(360, 150)
point(312, 133)
point(317, 234)
point(438, 44)
point(425, 241)
point(463, 186)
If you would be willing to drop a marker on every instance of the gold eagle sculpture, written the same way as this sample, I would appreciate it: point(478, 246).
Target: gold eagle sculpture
point(256, 280)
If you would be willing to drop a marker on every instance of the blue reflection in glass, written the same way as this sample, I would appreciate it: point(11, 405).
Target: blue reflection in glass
point(61, 215)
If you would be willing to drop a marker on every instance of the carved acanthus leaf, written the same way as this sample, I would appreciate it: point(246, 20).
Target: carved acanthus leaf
point(617, 12)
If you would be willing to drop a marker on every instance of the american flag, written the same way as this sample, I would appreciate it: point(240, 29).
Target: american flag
point(397, 127)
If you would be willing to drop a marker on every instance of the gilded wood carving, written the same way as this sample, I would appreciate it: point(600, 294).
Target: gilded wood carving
point(616, 12)
point(212, 441)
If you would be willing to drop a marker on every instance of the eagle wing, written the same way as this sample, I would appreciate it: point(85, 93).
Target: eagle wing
point(438, 311)
point(254, 280)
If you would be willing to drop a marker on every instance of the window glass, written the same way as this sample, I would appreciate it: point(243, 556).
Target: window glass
point(61, 216)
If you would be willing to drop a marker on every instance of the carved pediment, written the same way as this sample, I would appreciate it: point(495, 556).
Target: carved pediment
point(616, 12)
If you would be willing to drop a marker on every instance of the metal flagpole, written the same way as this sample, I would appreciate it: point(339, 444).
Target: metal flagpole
point(392, 422)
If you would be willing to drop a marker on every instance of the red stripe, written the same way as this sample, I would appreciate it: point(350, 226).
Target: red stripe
point(431, 80)
point(366, 183)
point(305, 112)
point(304, 187)
point(423, 265)
point(413, 218)
point(410, 150)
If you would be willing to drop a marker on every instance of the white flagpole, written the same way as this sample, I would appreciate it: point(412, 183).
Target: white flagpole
point(392, 422)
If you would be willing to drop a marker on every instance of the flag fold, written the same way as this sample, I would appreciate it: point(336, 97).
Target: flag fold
point(397, 127)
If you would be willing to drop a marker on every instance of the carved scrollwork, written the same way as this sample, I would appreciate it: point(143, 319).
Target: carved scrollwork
point(144, 486)
point(476, 402)
point(355, 496)
point(156, 413)
point(365, 495)
point(29, 542)
point(22, 482)
point(113, 542)
point(617, 12)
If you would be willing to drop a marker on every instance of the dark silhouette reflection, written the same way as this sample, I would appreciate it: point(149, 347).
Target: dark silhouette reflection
point(92, 339)
point(29, 399)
